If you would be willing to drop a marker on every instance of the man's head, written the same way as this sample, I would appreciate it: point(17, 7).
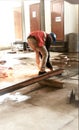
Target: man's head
point(53, 36)
point(32, 42)
point(31, 37)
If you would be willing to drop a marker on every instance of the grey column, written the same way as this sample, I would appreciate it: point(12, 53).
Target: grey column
point(78, 19)
point(23, 23)
point(78, 34)
point(42, 13)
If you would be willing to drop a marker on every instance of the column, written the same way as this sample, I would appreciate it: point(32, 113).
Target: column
point(42, 13)
point(23, 23)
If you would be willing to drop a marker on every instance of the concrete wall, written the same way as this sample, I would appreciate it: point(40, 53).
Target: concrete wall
point(7, 33)
point(6, 24)
point(70, 18)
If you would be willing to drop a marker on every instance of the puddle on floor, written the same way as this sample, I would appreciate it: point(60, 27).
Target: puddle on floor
point(17, 97)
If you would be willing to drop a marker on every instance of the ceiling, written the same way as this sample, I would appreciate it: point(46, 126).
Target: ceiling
point(73, 1)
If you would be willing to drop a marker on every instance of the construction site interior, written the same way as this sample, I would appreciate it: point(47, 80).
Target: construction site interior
point(29, 101)
point(51, 103)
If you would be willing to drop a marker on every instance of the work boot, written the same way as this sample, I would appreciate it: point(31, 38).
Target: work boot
point(49, 66)
point(40, 72)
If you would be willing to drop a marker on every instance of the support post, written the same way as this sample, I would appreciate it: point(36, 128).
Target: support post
point(23, 23)
point(42, 13)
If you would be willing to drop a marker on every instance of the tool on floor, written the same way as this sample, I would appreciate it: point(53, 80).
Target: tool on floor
point(74, 97)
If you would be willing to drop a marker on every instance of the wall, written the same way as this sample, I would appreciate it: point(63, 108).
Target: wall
point(7, 31)
point(70, 18)
point(6, 25)
point(18, 24)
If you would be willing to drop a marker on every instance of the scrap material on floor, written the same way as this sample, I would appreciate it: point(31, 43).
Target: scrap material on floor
point(52, 83)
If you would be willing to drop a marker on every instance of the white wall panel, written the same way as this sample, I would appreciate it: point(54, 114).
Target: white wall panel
point(70, 18)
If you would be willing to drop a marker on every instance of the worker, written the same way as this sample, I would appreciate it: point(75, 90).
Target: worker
point(40, 42)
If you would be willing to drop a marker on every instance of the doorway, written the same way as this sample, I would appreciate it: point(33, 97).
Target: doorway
point(35, 23)
point(18, 23)
point(57, 19)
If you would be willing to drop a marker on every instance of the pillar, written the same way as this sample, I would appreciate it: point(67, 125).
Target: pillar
point(23, 23)
point(42, 13)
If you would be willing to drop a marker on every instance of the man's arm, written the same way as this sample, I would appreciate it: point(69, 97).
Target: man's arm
point(37, 59)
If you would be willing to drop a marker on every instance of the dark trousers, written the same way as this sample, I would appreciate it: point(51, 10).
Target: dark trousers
point(47, 44)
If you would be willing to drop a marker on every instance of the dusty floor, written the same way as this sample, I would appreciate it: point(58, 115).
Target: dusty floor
point(42, 107)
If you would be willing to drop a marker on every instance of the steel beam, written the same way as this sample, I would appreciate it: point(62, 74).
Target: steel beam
point(31, 81)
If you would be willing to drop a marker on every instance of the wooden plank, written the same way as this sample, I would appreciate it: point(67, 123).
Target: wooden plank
point(30, 81)
point(52, 83)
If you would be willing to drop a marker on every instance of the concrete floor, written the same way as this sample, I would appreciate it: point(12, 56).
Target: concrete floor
point(46, 108)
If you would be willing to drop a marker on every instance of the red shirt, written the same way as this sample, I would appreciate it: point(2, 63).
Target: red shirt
point(40, 36)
